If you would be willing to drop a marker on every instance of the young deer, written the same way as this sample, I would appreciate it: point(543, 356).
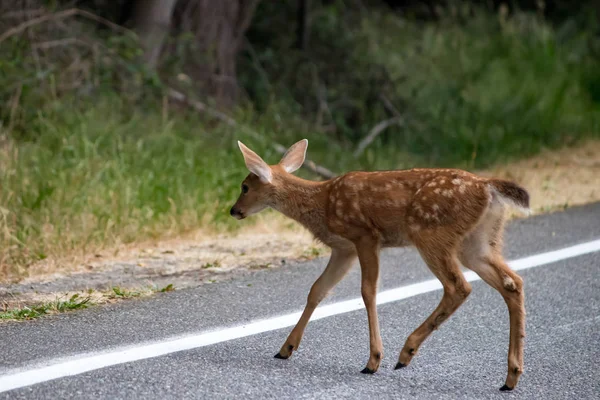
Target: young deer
point(449, 215)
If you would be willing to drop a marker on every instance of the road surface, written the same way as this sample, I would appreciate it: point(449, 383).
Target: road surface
point(207, 343)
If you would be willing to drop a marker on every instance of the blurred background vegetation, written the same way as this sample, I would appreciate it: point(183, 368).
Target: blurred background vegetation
point(119, 119)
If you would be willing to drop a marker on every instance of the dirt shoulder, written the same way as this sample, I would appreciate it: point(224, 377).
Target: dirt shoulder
point(555, 180)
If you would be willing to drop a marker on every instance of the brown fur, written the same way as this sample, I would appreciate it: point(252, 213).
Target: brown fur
point(450, 216)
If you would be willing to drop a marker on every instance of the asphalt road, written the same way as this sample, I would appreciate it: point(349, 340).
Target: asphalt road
point(466, 358)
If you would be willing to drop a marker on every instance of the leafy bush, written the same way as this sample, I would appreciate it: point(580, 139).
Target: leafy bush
point(472, 90)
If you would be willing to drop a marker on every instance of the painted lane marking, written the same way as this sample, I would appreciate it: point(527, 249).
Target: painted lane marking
point(75, 365)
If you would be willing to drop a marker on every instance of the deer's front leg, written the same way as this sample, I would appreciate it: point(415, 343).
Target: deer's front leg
point(368, 255)
point(339, 264)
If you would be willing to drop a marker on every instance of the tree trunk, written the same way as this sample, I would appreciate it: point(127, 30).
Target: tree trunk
point(219, 29)
point(303, 25)
point(152, 21)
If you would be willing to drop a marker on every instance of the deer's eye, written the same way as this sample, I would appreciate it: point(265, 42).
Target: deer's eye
point(244, 188)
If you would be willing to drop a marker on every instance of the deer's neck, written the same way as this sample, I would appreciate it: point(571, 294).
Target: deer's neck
point(304, 201)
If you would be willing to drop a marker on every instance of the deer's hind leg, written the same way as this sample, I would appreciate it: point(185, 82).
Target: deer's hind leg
point(442, 261)
point(481, 252)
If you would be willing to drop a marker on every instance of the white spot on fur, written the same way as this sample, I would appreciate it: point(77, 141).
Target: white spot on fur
point(435, 207)
point(437, 191)
point(462, 188)
point(448, 193)
point(509, 284)
point(457, 181)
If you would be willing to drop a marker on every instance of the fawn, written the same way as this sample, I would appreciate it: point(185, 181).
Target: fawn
point(449, 215)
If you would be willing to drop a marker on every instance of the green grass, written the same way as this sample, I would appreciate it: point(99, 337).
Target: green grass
point(83, 172)
point(122, 293)
point(60, 305)
point(118, 292)
point(76, 302)
point(96, 178)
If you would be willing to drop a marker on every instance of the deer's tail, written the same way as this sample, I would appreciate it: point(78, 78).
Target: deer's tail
point(511, 194)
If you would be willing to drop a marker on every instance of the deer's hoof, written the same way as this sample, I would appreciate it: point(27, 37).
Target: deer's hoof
point(367, 370)
point(506, 388)
point(399, 365)
point(279, 356)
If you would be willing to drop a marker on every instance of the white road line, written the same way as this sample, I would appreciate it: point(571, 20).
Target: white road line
point(80, 364)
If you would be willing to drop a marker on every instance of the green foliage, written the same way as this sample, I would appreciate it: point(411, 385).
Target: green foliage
point(491, 90)
point(121, 293)
point(85, 64)
point(99, 177)
point(75, 302)
point(168, 288)
point(472, 89)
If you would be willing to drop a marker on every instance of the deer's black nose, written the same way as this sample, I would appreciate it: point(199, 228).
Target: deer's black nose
point(236, 213)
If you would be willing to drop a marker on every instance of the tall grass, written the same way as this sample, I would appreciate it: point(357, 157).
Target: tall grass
point(97, 177)
point(82, 172)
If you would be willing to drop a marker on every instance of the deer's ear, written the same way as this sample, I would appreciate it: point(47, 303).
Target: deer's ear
point(294, 157)
point(255, 164)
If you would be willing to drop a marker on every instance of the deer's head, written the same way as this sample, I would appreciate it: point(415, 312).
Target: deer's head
point(259, 189)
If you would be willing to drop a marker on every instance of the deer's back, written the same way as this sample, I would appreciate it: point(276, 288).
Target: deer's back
point(397, 205)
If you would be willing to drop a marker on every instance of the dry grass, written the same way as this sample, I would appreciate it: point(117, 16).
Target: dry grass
point(262, 242)
point(558, 179)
